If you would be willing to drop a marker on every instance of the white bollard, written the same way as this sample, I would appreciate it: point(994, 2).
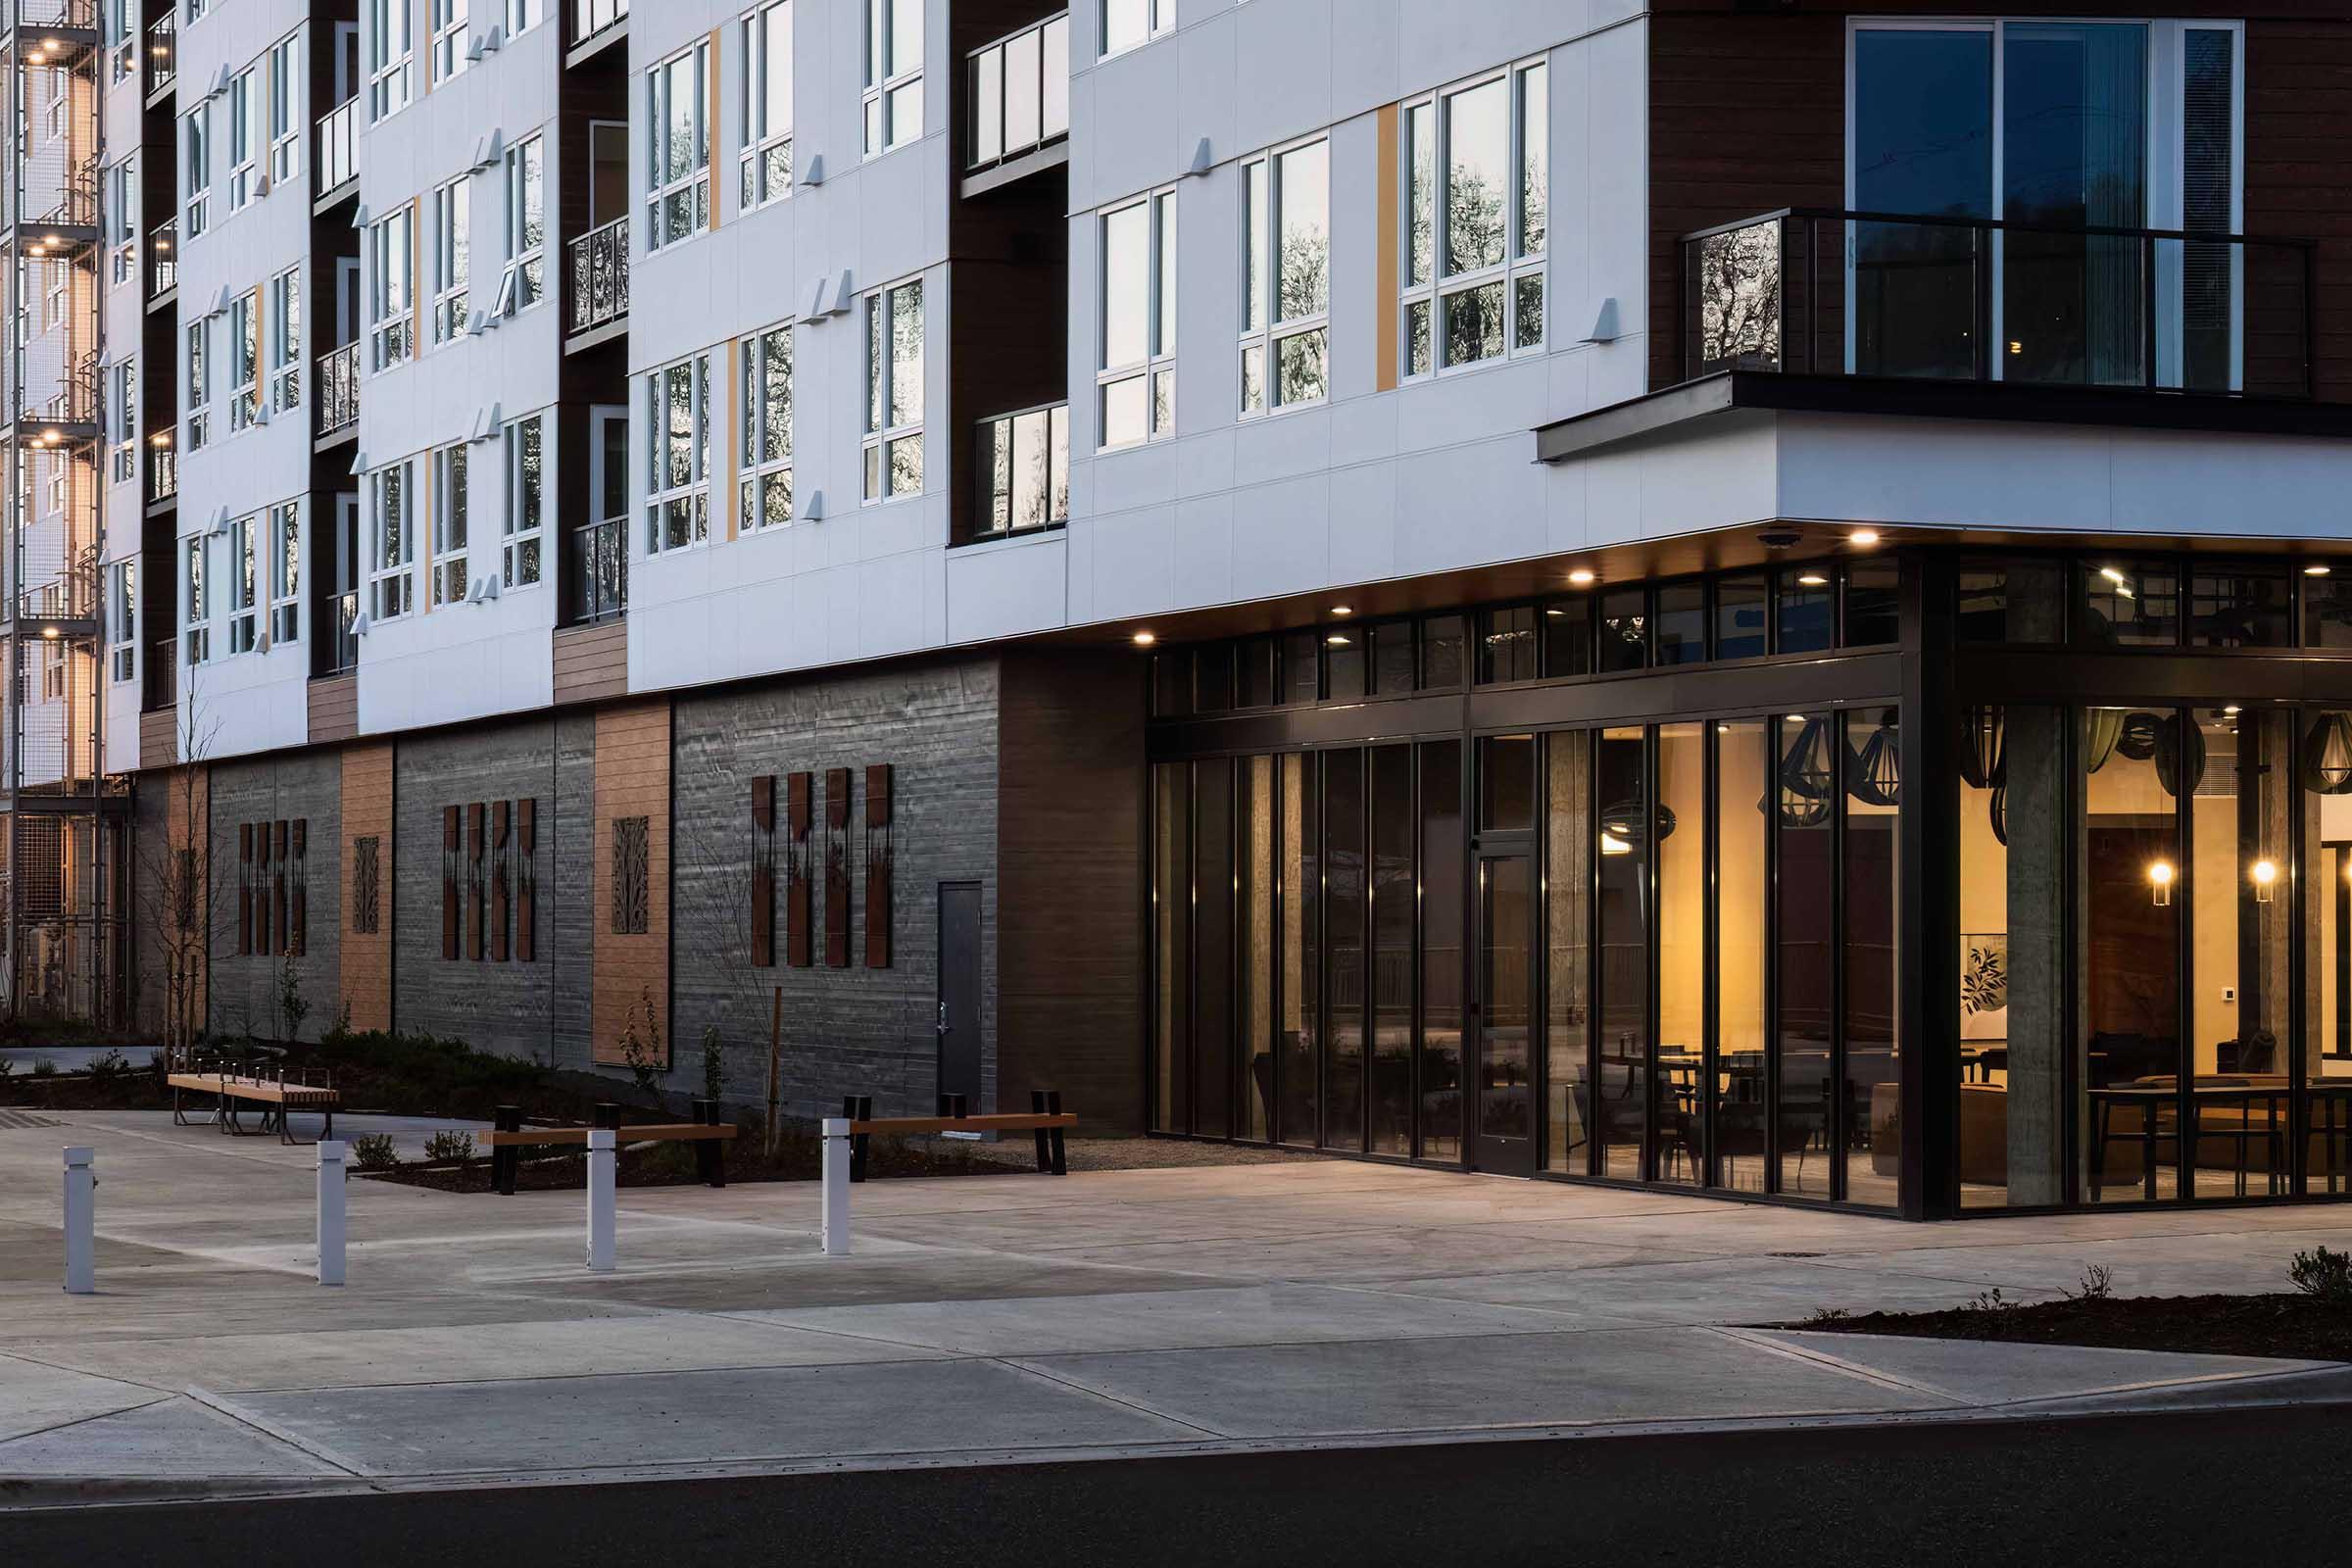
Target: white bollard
point(600, 1198)
point(82, 1222)
point(836, 1226)
point(332, 1195)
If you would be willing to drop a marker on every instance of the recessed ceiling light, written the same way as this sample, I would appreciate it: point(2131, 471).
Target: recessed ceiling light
point(1145, 639)
point(1813, 579)
point(2232, 709)
point(1342, 609)
point(1865, 536)
point(1796, 718)
point(1580, 576)
point(1338, 640)
point(2314, 572)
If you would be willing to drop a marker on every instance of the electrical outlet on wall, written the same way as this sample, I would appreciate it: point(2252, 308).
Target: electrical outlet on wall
point(2229, 993)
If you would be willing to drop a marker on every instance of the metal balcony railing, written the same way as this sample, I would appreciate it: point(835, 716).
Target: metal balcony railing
point(1019, 91)
point(1832, 292)
point(163, 258)
point(163, 473)
point(592, 16)
point(163, 50)
point(343, 643)
point(1023, 463)
point(600, 571)
point(600, 276)
point(159, 686)
point(338, 161)
point(338, 388)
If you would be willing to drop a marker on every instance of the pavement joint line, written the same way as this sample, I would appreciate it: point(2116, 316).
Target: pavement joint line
point(2288, 1374)
point(63, 1366)
point(232, 1411)
point(85, 1420)
point(1757, 1340)
point(1136, 1406)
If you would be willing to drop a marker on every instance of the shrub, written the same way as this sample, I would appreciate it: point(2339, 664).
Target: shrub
point(292, 1006)
point(2098, 1284)
point(375, 1152)
point(641, 1044)
point(2322, 1275)
point(8, 1064)
point(109, 1070)
point(448, 1144)
point(1992, 1301)
point(44, 1068)
point(1824, 1316)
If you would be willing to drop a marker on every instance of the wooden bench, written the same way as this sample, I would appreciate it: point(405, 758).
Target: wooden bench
point(508, 1137)
point(1044, 1118)
point(275, 1095)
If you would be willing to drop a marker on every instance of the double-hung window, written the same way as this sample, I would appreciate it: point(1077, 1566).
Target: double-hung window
point(677, 488)
point(200, 387)
point(767, 156)
point(1129, 22)
point(123, 420)
point(196, 169)
point(894, 74)
point(525, 279)
point(118, 220)
point(285, 315)
point(392, 288)
point(453, 239)
point(894, 391)
point(244, 137)
point(122, 620)
point(196, 603)
point(392, 582)
point(449, 37)
point(526, 500)
point(285, 122)
point(1477, 206)
point(1286, 277)
point(391, 57)
point(678, 148)
point(451, 511)
point(244, 363)
point(285, 573)
point(1138, 373)
point(244, 585)
point(763, 442)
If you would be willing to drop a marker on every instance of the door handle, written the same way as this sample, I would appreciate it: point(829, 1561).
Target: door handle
point(943, 1025)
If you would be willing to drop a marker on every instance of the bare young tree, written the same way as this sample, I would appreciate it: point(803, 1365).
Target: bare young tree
point(180, 892)
point(718, 925)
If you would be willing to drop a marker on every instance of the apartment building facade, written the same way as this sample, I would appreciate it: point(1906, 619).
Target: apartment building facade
point(1739, 596)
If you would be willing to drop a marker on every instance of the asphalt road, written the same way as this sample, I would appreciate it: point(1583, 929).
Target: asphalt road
point(2139, 1490)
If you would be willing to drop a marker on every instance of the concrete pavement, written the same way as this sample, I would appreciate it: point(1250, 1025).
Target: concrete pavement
point(1116, 1313)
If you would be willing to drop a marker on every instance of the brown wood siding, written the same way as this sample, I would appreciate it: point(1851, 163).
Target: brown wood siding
point(334, 708)
point(591, 663)
point(158, 737)
point(632, 779)
point(366, 957)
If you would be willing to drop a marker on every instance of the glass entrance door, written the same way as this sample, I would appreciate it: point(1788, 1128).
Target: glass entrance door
point(1504, 1012)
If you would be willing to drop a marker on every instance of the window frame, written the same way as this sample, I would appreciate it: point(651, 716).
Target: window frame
point(121, 382)
point(195, 172)
point(244, 361)
point(118, 211)
point(197, 401)
point(453, 259)
point(391, 77)
point(758, 475)
point(1159, 20)
point(1439, 285)
point(392, 584)
point(1261, 285)
point(523, 282)
point(884, 433)
point(889, 80)
point(1156, 369)
point(283, 127)
point(244, 137)
point(514, 533)
point(663, 80)
point(760, 142)
point(244, 584)
point(452, 520)
point(693, 493)
point(285, 571)
point(391, 310)
point(285, 352)
point(524, 15)
point(446, 23)
point(122, 620)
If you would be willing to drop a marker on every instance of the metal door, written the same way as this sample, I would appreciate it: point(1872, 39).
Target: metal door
point(959, 1022)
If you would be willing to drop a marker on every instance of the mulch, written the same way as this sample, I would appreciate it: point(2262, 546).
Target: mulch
point(2295, 1327)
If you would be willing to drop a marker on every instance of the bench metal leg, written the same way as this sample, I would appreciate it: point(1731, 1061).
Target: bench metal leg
point(1045, 1144)
point(858, 1108)
point(709, 1159)
point(505, 1156)
point(1061, 1165)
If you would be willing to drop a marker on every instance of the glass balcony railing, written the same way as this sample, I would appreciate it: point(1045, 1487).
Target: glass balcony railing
point(343, 643)
point(161, 685)
point(338, 161)
point(163, 258)
point(600, 571)
point(1023, 463)
point(600, 276)
point(592, 16)
point(1829, 292)
point(163, 50)
point(163, 473)
point(1019, 93)
point(338, 389)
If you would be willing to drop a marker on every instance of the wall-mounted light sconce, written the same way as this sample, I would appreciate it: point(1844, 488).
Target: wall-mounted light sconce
point(2266, 879)
point(2160, 881)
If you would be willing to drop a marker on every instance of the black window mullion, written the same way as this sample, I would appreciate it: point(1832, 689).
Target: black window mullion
point(1839, 1113)
point(2185, 942)
point(1711, 944)
point(1773, 766)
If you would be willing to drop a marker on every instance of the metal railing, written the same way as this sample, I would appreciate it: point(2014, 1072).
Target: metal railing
point(338, 161)
point(600, 276)
point(163, 258)
point(592, 16)
point(343, 643)
point(600, 570)
point(159, 686)
point(163, 50)
point(1832, 292)
point(1019, 91)
point(163, 473)
point(1023, 464)
point(338, 388)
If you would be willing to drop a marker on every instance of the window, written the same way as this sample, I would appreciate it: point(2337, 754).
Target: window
point(392, 584)
point(449, 37)
point(678, 151)
point(1128, 23)
point(285, 124)
point(196, 604)
point(244, 620)
point(1477, 219)
point(451, 239)
point(196, 184)
point(123, 420)
point(200, 389)
point(54, 96)
point(894, 381)
point(120, 18)
point(391, 58)
point(244, 363)
point(894, 74)
point(123, 619)
point(526, 500)
point(1138, 376)
point(118, 221)
point(525, 280)
point(285, 340)
point(524, 15)
point(677, 504)
point(394, 288)
point(451, 511)
point(285, 573)
point(1285, 262)
point(57, 278)
point(244, 137)
point(767, 104)
point(1024, 470)
point(763, 447)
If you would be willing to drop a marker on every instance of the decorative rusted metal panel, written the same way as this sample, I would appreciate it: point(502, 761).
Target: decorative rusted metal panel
point(837, 868)
point(474, 890)
point(366, 880)
point(526, 878)
point(244, 888)
point(798, 870)
point(764, 871)
point(877, 865)
point(631, 875)
point(500, 884)
point(298, 912)
point(279, 835)
point(450, 924)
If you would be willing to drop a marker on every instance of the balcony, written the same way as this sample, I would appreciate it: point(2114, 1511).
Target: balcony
point(162, 51)
point(1833, 293)
point(592, 19)
point(343, 643)
point(1019, 92)
point(338, 160)
point(600, 278)
point(163, 258)
point(600, 571)
point(160, 688)
point(1023, 463)
point(338, 391)
point(162, 473)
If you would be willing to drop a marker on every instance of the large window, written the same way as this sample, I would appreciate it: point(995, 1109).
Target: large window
point(525, 447)
point(118, 220)
point(678, 491)
point(392, 288)
point(894, 74)
point(196, 172)
point(122, 410)
point(285, 315)
point(199, 406)
point(244, 584)
point(286, 126)
point(244, 135)
point(525, 279)
point(1138, 376)
point(763, 438)
point(677, 163)
point(894, 379)
point(1129, 22)
point(285, 573)
point(449, 37)
point(1286, 277)
point(766, 154)
point(196, 604)
point(1477, 208)
point(391, 57)
point(392, 579)
point(122, 620)
point(453, 262)
point(244, 361)
point(452, 510)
